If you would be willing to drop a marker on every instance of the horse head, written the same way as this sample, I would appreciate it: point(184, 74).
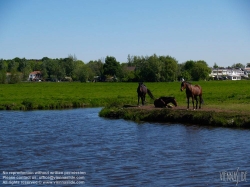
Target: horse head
point(140, 83)
point(183, 85)
point(174, 101)
point(169, 100)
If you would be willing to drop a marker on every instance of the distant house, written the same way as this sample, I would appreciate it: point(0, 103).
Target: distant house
point(35, 76)
point(234, 77)
point(228, 73)
point(247, 69)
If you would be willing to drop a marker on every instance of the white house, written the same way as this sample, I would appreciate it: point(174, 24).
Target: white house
point(234, 77)
point(232, 74)
point(35, 76)
point(247, 69)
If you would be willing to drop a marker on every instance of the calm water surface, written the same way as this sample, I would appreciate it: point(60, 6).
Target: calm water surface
point(122, 153)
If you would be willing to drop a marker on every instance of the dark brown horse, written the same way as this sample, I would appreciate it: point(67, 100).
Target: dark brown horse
point(142, 90)
point(192, 91)
point(163, 102)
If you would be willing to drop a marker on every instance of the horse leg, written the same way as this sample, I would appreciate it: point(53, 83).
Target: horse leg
point(196, 100)
point(143, 99)
point(200, 101)
point(187, 102)
point(193, 102)
point(138, 100)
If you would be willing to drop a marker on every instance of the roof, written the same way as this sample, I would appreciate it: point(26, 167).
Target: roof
point(35, 72)
point(131, 68)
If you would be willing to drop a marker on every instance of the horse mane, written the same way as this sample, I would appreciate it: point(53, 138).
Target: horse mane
point(188, 82)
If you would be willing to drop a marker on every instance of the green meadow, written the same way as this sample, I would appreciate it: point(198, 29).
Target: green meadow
point(226, 95)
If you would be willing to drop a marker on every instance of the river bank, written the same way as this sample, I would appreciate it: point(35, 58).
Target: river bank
point(202, 117)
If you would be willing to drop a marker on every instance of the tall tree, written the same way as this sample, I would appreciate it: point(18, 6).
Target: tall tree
point(111, 67)
point(170, 67)
point(238, 65)
point(195, 70)
point(96, 67)
point(25, 68)
point(200, 71)
point(69, 66)
point(82, 72)
point(215, 65)
point(12, 65)
point(3, 65)
point(150, 71)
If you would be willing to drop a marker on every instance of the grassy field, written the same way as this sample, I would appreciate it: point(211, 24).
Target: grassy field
point(227, 95)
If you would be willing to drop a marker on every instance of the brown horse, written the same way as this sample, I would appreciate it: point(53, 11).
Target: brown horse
point(162, 102)
point(142, 90)
point(192, 91)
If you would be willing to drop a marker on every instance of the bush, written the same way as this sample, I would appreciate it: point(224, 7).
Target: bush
point(28, 104)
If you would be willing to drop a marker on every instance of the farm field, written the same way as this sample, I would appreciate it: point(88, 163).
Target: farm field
point(225, 95)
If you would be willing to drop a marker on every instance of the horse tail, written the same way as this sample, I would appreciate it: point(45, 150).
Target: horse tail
point(202, 101)
point(150, 94)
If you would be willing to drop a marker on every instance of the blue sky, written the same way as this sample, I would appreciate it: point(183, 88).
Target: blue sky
point(217, 31)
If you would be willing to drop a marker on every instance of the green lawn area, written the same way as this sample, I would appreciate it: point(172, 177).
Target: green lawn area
point(228, 95)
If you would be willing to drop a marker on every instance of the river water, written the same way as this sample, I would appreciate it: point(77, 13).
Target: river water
point(104, 152)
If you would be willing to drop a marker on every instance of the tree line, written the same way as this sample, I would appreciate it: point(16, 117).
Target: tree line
point(137, 68)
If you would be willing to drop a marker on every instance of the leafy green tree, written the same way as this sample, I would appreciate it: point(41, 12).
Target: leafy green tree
point(51, 68)
point(3, 65)
point(82, 72)
point(60, 72)
point(17, 60)
point(169, 69)
point(132, 60)
point(111, 66)
point(45, 59)
point(186, 75)
point(238, 65)
point(37, 65)
point(127, 75)
point(12, 65)
point(153, 68)
point(69, 66)
point(96, 67)
point(44, 71)
point(15, 77)
point(25, 68)
point(200, 71)
point(73, 57)
point(188, 66)
point(22, 63)
point(195, 70)
point(186, 70)
point(3, 76)
point(215, 65)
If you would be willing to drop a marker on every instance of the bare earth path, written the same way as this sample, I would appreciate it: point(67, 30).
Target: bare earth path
point(181, 108)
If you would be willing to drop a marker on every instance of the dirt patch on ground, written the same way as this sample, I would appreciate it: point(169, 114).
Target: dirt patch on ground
point(152, 107)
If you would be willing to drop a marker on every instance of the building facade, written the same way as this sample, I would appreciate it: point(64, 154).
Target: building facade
point(228, 73)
